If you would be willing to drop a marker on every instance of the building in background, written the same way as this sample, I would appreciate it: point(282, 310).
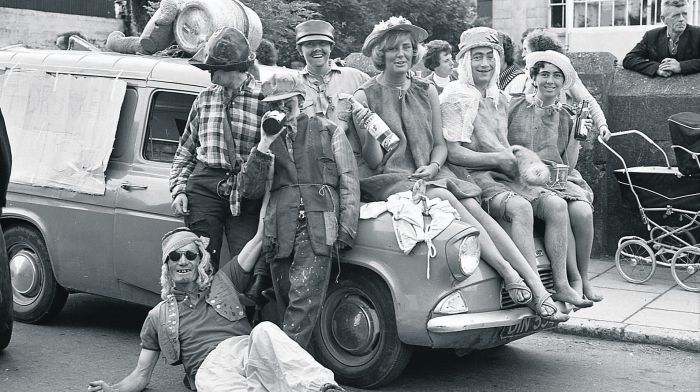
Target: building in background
point(613, 26)
point(37, 23)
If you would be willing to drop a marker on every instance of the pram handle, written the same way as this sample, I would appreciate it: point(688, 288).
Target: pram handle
point(695, 155)
point(633, 132)
point(624, 164)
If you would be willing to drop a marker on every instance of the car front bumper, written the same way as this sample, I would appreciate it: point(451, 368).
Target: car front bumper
point(486, 329)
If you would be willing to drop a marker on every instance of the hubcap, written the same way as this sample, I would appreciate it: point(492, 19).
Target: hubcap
point(26, 277)
point(355, 326)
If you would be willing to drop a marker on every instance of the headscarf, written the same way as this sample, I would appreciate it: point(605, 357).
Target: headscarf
point(459, 101)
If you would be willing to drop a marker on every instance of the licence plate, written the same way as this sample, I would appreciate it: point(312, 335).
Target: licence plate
point(526, 326)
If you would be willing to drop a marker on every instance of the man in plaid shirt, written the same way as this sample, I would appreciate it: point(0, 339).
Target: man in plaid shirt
point(221, 130)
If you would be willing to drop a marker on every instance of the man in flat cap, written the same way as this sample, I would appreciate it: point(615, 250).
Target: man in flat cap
point(222, 128)
point(314, 202)
point(201, 324)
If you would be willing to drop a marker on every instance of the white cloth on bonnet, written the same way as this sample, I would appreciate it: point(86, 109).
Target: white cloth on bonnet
point(409, 222)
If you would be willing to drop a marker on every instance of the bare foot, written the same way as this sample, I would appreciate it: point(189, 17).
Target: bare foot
point(569, 295)
point(547, 309)
point(590, 293)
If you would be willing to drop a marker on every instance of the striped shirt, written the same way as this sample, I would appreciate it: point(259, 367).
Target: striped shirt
point(507, 75)
point(203, 139)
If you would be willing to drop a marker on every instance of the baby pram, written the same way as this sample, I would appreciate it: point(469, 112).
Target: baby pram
point(661, 193)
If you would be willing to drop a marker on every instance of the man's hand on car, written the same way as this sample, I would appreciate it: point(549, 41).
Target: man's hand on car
point(179, 205)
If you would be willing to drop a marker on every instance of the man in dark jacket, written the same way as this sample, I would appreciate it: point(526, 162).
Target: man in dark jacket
point(5, 287)
point(673, 49)
point(314, 202)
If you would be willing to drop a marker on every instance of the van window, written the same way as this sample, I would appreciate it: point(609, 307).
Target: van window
point(166, 123)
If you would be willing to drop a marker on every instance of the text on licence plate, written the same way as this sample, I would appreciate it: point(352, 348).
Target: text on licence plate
point(526, 326)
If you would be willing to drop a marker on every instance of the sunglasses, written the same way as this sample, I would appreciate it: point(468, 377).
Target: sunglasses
point(189, 255)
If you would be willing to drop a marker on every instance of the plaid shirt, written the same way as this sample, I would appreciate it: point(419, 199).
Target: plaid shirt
point(203, 138)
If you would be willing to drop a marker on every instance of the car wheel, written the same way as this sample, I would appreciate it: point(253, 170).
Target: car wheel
point(356, 335)
point(5, 297)
point(36, 294)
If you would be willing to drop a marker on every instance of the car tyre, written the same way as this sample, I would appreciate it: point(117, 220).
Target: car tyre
point(36, 294)
point(5, 297)
point(356, 336)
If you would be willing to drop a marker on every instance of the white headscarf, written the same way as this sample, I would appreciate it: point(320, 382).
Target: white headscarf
point(459, 101)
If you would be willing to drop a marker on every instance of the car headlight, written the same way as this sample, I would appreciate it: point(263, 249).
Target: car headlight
point(463, 254)
point(452, 304)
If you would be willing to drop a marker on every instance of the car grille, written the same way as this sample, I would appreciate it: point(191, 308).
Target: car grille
point(547, 280)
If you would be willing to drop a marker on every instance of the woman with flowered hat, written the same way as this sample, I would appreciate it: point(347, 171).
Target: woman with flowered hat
point(542, 123)
point(475, 126)
point(410, 107)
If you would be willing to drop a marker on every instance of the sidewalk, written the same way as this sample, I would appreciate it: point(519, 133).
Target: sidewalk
point(656, 312)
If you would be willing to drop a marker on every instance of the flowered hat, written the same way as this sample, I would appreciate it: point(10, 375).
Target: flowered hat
point(394, 23)
point(478, 37)
point(557, 59)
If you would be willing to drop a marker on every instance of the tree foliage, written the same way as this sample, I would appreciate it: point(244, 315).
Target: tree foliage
point(352, 19)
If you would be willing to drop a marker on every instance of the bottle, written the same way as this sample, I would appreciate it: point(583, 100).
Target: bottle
point(372, 122)
point(581, 132)
point(272, 122)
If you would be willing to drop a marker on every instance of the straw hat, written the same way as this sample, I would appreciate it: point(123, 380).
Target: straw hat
point(557, 59)
point(478, 37)
point(394, 23)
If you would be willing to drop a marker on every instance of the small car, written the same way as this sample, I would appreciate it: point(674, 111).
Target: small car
point(380, 301)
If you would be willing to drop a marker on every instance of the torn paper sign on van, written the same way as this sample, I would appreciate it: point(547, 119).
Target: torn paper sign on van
point(61, 127)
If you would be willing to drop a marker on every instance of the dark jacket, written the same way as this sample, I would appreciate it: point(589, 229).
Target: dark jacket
point(323, 172)
point(647, 55)
point(5, 161)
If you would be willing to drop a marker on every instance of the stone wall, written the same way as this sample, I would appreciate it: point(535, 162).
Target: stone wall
point(630, 101)
point(36, 29)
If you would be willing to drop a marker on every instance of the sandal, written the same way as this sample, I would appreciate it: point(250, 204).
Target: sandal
point(512, 289)
point(541, 307)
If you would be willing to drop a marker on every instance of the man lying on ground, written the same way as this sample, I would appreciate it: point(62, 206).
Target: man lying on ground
point(201, 324)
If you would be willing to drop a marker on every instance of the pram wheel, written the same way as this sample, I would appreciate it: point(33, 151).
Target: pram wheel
point(685, 267)
point(635, 261)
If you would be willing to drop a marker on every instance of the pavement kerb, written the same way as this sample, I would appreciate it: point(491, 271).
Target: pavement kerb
point(609, 330)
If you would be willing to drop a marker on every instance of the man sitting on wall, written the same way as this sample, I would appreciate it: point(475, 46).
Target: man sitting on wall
point(668, 50)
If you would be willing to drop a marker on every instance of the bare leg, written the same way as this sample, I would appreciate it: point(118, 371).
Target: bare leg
point(581, 216)
point(518, 212)
point(489, 251)
point(554, 211)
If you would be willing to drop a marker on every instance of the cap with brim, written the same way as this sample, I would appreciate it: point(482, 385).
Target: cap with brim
point(315, 30)
point(479, 37)
point(225, 50)
point(282, 86)
point(176, 239)
point(393, 24)
point(558, 60)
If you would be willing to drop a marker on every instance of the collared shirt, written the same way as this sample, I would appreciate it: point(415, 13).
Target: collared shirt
point(672, 43)
point(200, 327)
point(203, 138)
point(322, 95)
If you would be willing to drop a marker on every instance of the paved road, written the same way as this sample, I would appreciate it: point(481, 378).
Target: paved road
point(98, 338)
